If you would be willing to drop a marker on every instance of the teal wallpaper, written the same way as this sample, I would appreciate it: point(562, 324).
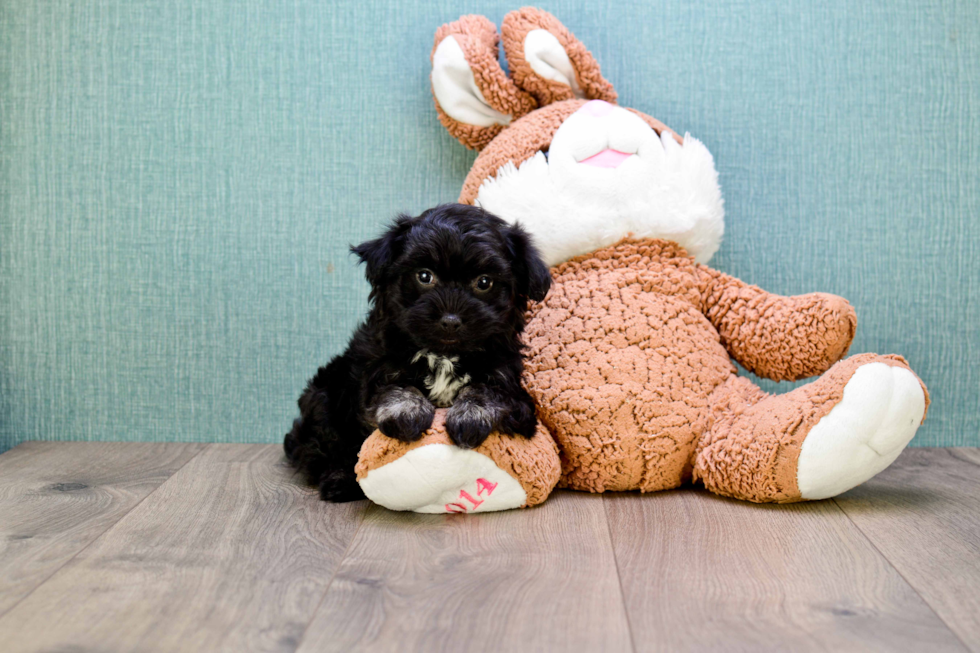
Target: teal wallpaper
point(180, 180)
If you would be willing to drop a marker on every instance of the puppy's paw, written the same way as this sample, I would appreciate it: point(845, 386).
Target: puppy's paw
point(404, 414)
point(520, 420)
point(407, 427)
point(468, 423)
point(340, 486)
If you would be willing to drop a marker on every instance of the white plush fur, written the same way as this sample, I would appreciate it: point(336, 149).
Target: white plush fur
point(455, 88)
point(543, 52)
point(432, 479)
point(664, 191)
point(879, 413)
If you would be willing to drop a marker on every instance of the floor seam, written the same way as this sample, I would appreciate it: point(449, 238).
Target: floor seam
point(100, 535)
point(336, 571)
point(952, 451)
point(619, 575)
point(898, 571)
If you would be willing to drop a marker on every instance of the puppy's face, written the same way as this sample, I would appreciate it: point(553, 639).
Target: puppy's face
point(453, 277)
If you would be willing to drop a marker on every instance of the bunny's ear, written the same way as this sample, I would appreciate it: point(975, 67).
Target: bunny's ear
point(547, 60)
point(474, 98)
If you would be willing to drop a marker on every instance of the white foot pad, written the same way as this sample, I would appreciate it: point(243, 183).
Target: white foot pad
point(881, 409)
point(440, 478)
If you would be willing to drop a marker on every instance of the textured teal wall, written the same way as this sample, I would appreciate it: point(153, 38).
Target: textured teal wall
point(179, 182)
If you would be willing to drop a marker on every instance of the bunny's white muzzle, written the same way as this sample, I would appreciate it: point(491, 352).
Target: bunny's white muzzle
point(607, 175)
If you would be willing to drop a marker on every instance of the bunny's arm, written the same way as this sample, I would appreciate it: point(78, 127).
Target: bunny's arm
point(776, 337)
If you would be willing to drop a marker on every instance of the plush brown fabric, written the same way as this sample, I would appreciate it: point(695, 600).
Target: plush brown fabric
point(622, 363)
point(530, 130)
point(630, 366)
point(779, 338)
point(533, 462)
point(629, 356)
point(527, 136)
point(515, 27)
point(752, 448)
point(629, 362)
point(478, 39)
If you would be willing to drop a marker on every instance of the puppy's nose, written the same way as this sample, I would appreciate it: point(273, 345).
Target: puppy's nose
point(450, 322)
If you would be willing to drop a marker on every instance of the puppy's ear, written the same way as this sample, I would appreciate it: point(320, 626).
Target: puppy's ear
point(379, 254)
point(533, 276)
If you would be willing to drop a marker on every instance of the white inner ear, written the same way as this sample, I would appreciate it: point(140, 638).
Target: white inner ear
point(549, 60)
point(456, 90)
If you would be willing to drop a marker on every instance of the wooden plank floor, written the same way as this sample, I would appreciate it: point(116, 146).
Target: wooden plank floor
point(183, 547)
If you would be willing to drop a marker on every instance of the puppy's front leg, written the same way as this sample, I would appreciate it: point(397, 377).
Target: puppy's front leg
point(520, 418)
point(480, 410)
point(402, 413)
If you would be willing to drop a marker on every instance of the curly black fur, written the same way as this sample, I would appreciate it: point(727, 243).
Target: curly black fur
point(430, 311)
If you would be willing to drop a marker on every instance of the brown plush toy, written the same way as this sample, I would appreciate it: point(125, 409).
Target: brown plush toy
point(630, 355)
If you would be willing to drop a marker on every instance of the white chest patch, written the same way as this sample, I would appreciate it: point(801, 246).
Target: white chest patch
point(442, 383)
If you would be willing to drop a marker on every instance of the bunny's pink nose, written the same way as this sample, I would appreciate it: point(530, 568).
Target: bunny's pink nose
point(596, 108)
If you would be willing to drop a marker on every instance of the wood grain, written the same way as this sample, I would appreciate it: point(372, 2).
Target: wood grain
point(701, 572)
point(231, 553)
point(536, 580)
point(58, 497)
point(121, 547)
point(923, 514)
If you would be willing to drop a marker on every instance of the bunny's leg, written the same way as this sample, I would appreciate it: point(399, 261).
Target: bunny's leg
point(815, 442)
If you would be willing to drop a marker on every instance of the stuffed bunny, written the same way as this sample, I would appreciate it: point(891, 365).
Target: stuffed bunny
point(630, 355)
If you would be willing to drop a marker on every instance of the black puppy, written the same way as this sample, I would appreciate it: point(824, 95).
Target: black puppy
point(449, 289)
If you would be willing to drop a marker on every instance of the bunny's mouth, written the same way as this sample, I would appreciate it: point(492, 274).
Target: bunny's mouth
point(607, 158)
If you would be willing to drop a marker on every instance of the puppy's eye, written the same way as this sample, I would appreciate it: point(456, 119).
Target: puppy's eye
point(483, 283)
point(425, 277)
